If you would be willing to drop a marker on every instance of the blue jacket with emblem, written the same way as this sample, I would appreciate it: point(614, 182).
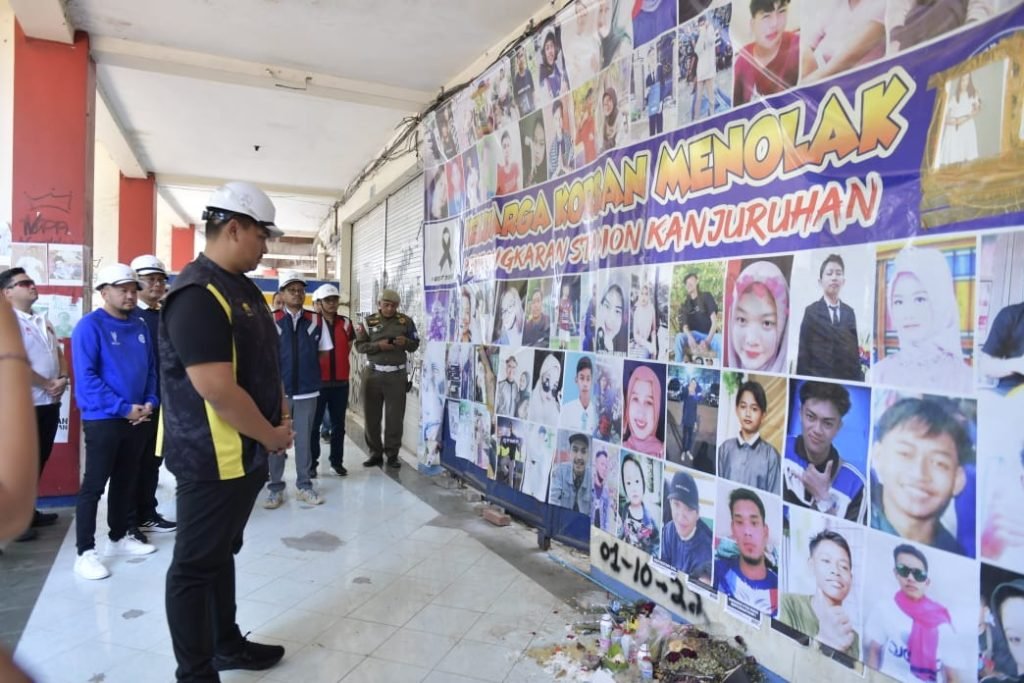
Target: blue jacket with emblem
point(114, 365)
point(300, 351)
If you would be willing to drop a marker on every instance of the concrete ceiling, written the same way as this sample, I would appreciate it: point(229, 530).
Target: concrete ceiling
point(296, 95)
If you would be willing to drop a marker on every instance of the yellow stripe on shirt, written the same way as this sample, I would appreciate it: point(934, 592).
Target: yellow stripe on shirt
point(227, 442)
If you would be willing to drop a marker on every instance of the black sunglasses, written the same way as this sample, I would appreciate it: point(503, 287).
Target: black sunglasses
point(22, 283)
point(919, 575)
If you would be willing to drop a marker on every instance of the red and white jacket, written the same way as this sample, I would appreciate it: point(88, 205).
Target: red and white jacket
point(334, 365)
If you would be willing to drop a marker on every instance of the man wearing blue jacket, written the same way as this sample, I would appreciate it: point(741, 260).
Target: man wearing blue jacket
point(302, 337)
point(115, 386)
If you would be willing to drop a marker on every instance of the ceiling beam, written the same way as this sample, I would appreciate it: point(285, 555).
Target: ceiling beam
point(111, 133)
point(189, 64)
point(205, 182)
point(289, 257)
point(282, 249)
point(176, 207)
point(44, 20)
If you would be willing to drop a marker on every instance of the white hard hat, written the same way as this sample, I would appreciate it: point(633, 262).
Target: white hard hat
point(115, 274)
point(325, 291)
point(246, 199)
point(147, 263)
point(286, 277)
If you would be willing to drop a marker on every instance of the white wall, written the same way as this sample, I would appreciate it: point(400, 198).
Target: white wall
point(105, 202)
point(165, 218)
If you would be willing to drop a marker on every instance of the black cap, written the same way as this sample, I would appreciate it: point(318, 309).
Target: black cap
point(579, 437)
point(684, 489)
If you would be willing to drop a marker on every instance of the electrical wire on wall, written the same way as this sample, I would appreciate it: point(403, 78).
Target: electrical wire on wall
point(406, 141)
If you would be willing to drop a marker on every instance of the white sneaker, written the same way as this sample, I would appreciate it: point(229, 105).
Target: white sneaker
point(309, 496)
point(129, 546)
point(273, 500)
point(88, 566)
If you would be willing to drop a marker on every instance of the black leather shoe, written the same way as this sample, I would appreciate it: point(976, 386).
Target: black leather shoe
point(394, 463)
point(29, 534)
point(44, 518)
point(340, 470)
point(374, 462)
point(252, 657)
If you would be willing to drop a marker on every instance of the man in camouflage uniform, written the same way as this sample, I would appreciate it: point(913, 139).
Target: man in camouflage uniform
point(385, 337)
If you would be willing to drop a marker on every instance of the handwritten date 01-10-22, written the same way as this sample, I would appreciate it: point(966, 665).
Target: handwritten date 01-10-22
point(643, 576)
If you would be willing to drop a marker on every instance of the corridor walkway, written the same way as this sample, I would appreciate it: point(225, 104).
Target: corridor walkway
point(373, 586)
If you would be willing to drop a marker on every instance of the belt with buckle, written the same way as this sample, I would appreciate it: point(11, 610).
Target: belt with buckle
point(387, 368)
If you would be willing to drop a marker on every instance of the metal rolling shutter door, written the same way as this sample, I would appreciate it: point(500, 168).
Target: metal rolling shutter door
point(403, 260)
point(403, 257)
point(367, 261)
point(367, 281)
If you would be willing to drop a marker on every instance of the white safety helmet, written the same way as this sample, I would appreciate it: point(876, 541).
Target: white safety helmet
point(115, 274)
point(239, 197)
point(147, 264)
point(286, 277)
point(325, 291)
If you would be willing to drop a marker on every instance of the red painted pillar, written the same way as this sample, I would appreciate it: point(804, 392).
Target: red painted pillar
point(136, 226)
point(183, 246)
point(54, 130)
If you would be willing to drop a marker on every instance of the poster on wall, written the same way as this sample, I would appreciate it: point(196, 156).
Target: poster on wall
point(66, 266)
point(33, 258)
point(64, 422)
point(749, 293)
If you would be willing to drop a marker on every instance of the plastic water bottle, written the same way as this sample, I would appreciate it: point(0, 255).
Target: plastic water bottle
point(646, 669)
point(606, 626)
point(604, 642)
point(627, 646)
point(643, 658)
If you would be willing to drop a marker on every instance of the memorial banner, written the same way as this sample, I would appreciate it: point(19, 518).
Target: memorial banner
point(744, 283)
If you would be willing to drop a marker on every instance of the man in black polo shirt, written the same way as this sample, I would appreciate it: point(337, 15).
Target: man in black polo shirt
point(1002, 356)
point(223, 413)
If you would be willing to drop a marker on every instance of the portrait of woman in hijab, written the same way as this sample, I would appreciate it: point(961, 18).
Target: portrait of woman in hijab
point(614, 29)
point(552, 67)
point(611, 322)
point(758, 318)
point(643, 418)
point(545, 399)
point(922, 307)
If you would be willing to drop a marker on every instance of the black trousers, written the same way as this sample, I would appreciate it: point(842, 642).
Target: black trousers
point(200, 595)
point(112, 452)
point(47, 418)
point(384, 396)
point(335, 398)
point(655, 123)
point(149, 473)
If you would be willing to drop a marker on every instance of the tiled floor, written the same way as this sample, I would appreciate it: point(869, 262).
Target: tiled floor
point(372, 586)
point(23, 571)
